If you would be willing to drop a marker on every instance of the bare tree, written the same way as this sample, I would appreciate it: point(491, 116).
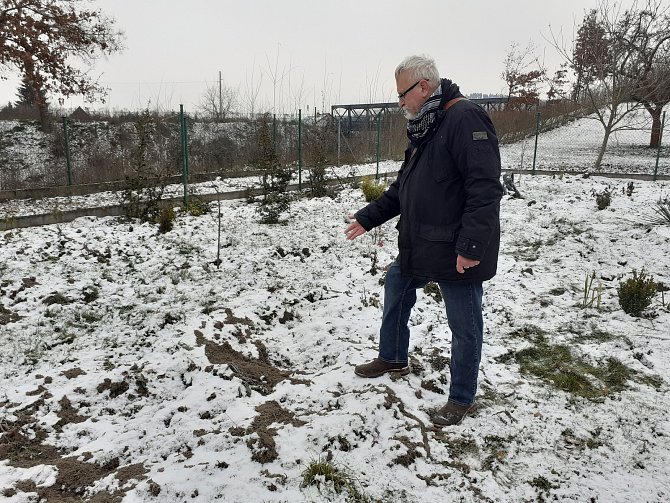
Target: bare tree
point(373, 87)
point(42, 38)
point(218, 101)
point(297, 94)
point(645, 33)
point(619, 60)
point(522, 80)
point(252, 89)
point(277, 76)
point(654, 94)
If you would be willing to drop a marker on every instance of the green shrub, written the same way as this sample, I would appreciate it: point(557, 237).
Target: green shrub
point(166, 220)
point(603, 199)
point(196, 207)
point(145, 184)
point(635, 293)
point(275, 177)
point(141, 198)
point(372, 189)
point(319, 152)
point(318, 183)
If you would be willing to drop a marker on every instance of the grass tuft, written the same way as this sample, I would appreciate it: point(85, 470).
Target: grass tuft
point(557, 363)
point(662, 210)
point(325, 473)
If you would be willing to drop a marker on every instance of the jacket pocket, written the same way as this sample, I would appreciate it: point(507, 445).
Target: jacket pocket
point(437, 232)
point(437, 162)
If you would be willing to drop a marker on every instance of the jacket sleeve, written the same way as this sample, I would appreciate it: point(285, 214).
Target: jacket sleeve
point(382, 209)
point(478, 159)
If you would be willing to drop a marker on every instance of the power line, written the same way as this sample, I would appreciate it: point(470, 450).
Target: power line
point(135, 82)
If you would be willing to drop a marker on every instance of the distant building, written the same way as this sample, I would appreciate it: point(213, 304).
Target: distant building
point(80, 115)
point(484, 96)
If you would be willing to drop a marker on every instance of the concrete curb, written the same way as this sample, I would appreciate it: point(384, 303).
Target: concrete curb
point(60, 217)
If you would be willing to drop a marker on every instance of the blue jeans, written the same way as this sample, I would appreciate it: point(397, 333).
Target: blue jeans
point(464, 315)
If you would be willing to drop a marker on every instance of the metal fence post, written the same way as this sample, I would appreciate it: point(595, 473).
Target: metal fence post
point(68, 159)
point(537, 133)
point(378, 135)
point(300, 149)
point(660, 141)
point(184, 153)
point(339, 139)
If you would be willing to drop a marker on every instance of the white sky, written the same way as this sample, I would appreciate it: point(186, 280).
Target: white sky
point(337, 52)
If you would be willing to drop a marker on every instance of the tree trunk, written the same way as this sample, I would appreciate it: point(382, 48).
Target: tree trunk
point(38, 98)
point(45, 122)
point(655, 126)
point(603, 148)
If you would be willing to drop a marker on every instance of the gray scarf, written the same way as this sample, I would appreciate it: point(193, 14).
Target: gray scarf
point(418, 128)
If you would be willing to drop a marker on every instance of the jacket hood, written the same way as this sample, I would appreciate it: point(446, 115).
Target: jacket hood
point(450, 91)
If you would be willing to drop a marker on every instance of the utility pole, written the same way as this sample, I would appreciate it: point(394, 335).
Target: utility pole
point(220, 99)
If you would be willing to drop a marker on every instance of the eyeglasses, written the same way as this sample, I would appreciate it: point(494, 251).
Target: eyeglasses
point(402, 95)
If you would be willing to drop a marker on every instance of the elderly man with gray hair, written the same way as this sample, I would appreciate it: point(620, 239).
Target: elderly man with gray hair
point(447, 194)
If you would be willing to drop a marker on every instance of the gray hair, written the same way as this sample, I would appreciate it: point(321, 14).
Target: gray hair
point(419, 67)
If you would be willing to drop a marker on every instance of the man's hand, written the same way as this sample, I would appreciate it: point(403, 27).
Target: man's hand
point(354, 229)
point(463, 263)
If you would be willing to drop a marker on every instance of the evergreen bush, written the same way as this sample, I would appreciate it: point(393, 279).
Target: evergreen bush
point(372, 189)
point(318, 146)
point(275, 177)
point(166, 219)
point(144, 188)
point(636, 293)
point(603, 199)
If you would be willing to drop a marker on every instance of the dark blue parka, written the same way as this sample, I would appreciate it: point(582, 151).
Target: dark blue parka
point(447, 194)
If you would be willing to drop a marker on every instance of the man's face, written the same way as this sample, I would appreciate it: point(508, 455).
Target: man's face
point(412, 98)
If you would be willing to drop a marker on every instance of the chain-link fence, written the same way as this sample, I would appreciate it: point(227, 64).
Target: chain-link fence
point(92, 149)
point(567, 140)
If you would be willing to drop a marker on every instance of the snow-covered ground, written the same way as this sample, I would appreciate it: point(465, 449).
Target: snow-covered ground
point(133, 369)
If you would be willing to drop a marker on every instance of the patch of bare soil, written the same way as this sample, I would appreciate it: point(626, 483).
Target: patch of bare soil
point(73, 373)
point(68, 414)
point(234, 320)
point(392, 399)
point(7, 316)
point(412, 453)
point(262, 444)
point(115, 388)
point(131, 472)
point(73, 476)
point(24, 452)
point(257, 373)
point(22, 444)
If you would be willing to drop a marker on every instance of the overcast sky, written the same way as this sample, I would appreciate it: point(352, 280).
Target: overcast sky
point(306, 54)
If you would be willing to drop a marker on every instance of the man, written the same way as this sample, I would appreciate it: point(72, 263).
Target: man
point(447, 194)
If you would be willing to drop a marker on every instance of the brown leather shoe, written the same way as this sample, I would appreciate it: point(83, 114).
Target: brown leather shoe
point(452, 414)
point(379, 367)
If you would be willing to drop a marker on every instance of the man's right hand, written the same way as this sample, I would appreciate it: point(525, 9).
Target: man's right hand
point(354, 229)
